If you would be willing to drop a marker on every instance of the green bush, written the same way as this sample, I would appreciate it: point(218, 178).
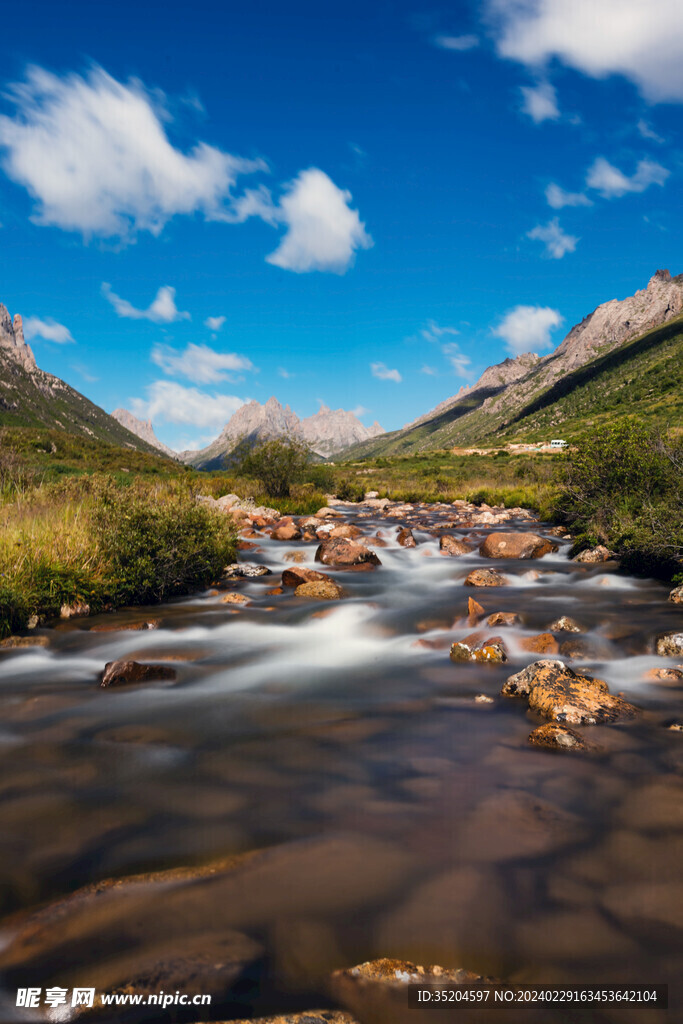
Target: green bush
point(157, 547)
point(349, 490)
point(275, 464)
point(623, 486)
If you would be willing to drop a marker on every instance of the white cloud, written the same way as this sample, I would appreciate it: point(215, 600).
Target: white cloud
point(162, 310)
point(635, 38)
point(430, 371)
point(528, 328)
point(457, 43)
point(556, 241)
point(48, 330)
point(94, 155)
point(558, 198)
point(285, 374)
point(214, 323)
point(610, 182)
point(647, 132)
point(540, 102)
point(435, 332)
point(323, 232)
point(382, 372)
point(199, 363)
point(359, 411)
point(172, 403)
point(460, 363)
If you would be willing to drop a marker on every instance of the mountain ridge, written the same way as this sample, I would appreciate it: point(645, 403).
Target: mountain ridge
point(490, 406)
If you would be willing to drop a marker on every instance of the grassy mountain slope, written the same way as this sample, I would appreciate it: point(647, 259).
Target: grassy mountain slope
point(33, 398)
point(642, 377)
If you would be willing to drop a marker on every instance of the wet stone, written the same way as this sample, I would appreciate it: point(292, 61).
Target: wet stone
point(486, 578)
point(122, 672)
point(565, 624)
point(234, 598)
point(453, 546)
point(319, 590)
point(670, 644)
point(247, 570)
point(17, 642)
point(475, 648)
point(556, 737)
point(544, 643)
point(516, 545)
point(405, 537)
point(558, 693)
point(295, 577)
point(503, 619)
point(676, 595)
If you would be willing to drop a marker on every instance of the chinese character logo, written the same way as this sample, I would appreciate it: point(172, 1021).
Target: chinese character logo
point(83, 997)
point(28, 997)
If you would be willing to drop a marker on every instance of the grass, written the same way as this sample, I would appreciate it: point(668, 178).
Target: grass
point(96, 542)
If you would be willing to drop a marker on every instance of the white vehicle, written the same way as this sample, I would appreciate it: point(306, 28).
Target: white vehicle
point(558, 443)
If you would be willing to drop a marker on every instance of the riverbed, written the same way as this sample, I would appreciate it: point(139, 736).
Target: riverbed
point(359, 795)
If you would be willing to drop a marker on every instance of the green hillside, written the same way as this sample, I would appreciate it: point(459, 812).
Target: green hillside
point(642, 377)
point(33, 398)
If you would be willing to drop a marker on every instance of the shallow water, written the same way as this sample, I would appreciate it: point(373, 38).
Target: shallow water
point(404, 818)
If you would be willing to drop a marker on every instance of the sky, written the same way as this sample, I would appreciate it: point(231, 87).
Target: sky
point(359, 204)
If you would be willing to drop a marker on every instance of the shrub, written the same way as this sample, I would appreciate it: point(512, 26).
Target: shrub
point(14, 609)
point(156, 546)
point(623, 486)
point(349, 490)
point(275, 464)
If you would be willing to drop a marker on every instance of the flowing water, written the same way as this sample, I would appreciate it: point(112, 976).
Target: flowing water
point(401, 816)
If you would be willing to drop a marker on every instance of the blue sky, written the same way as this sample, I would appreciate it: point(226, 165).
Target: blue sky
point(361, 204)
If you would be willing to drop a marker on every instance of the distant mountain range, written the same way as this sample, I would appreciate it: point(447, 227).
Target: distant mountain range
point(624, 357)
point(326, 432)
point(142, 429)
point(30, 397)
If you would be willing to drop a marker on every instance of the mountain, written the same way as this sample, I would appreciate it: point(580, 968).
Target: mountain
point(326, 432)
point(610, 352)
point(30, 397)
point(142, 429)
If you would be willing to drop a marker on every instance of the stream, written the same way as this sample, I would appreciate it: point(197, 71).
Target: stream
point(395, 814)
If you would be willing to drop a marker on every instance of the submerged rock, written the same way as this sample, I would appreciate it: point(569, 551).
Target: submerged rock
point(245, 569)
point(453, 546)
point(295, 577)
point(343, 552)
point(557, 737)
point(121, 672)
point(516, 545)
point(670, 644)
point(235, 599)
point(15, 642)
point(544, 643)
point(320, 590)
point(558, 693)
point(405, 537)
point(486, 578)
point(503, 619)
point(565, 624)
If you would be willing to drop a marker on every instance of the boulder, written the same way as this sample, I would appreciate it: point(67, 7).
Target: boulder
point(75, 610)
point(664, 675)
point(235, 599)
point(14, 642)
point(503, 619)
point(342, 552)
point(565, 624)
point(287, 530)
point(558, 693)
point(593, 555)
point(405, 537)
point(347, 530)
point(328, 513)
point(121, 672)
point(247, 570)
point(516, 545)
point(295, 577)
point(544, 643)
point(320, 590)
point(486, 578)
point(557, 737)
point(478, 648)
point(676, 595)
point(453, 546)
point(670, 644)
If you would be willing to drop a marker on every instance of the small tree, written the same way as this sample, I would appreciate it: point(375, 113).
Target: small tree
point(276, 464)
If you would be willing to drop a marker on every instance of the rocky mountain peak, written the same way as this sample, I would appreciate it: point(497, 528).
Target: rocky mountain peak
point(142, 429)
point(12, 339)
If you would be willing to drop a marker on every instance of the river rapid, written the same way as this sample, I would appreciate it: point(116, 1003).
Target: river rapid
point(396, 814)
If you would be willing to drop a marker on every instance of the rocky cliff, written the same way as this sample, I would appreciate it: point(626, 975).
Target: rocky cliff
point(12, 339)
point(142, 429)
